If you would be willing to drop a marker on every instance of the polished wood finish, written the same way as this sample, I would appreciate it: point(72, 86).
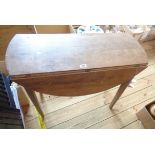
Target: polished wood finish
point(57, 53)
point(74, 65)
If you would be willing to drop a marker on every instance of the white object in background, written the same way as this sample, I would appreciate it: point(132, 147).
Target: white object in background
point(89, 29)
point(133, 80)
point(13, 88)
point(15, 96)
point(131, 84)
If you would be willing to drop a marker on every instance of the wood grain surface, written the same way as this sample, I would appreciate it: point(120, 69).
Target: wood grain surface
point(39, 53)
point(71, 64)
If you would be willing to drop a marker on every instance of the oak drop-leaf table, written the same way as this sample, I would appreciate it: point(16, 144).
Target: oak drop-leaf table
point(74, 64)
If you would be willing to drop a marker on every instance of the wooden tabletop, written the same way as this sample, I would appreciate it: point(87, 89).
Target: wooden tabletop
point(30, 54)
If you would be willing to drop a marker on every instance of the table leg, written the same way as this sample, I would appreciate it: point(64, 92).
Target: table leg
point(119, 93)
point(34, 100)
